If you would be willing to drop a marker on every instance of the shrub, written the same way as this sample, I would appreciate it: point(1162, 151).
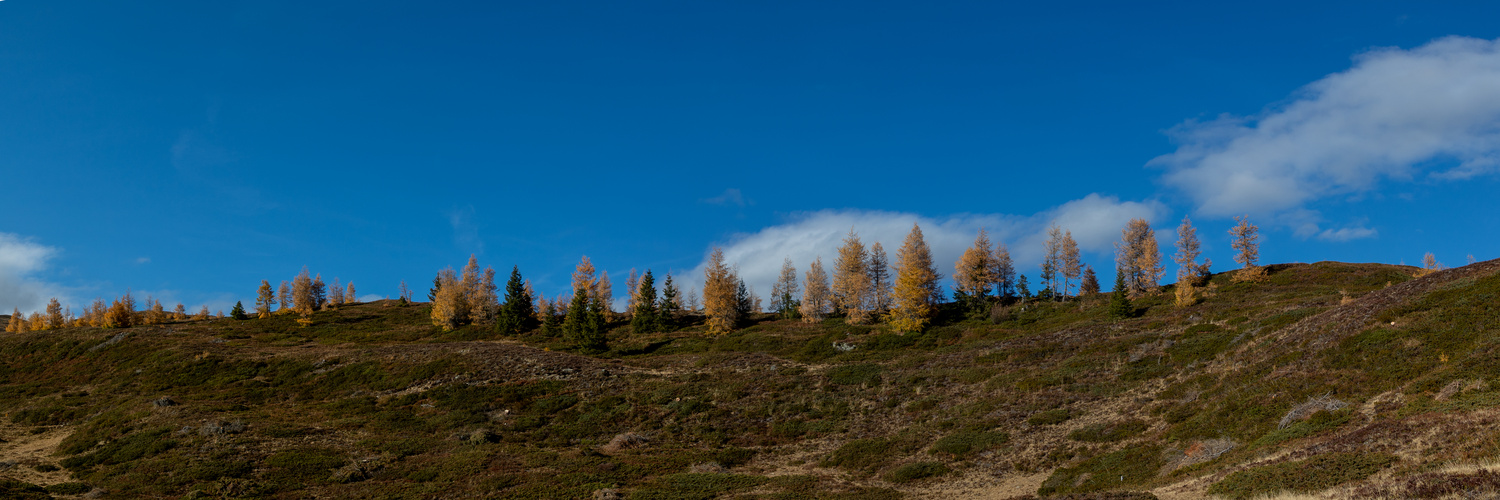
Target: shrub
point(863, 374)
point(914, 471)
point(964, 443)
point(1103, 433)
point(861, 454)
point(1127, 467)
point(1050, 417)
point(1305, 476)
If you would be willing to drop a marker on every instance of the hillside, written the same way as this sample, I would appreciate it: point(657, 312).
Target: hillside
point(1346, 380)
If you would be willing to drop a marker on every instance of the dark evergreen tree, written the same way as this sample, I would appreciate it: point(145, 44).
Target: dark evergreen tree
point(646, 318)
point(671, 304)
point(1021, 290)
point(517, 314)
point(744, 303)
point(584, 325)
point(551, 324)
point(1119, 300)
point(437, 284)
point(238, 312)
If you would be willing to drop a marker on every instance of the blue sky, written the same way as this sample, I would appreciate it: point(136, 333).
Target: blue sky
point(189, 150)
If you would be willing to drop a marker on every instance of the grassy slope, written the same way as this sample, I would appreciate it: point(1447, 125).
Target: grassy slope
point(371, 401)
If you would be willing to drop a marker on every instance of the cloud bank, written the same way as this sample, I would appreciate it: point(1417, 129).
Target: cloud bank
point(1430, 112)
point(20, 260)
point(1095, 221)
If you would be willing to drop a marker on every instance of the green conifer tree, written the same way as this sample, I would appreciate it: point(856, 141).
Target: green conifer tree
point(1119, 300)
point(645, 318)
point(238, 312)
point(671, 304)
point(517, 314)
point(584, 325)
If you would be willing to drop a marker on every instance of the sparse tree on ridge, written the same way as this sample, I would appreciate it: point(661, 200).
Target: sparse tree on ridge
point(37, 322)
point(17, 322)
point(784, 293)
point(1052, 262)
point(645, 318)
point(915, 293)
point(238, 312)
point(880, 280)
point(404, 292)
point(1071, 265)
point(972, 274)
point(817, 297)
point(449, 309)
point(1244, 236)
point(179, 313)
point(1089, 286)
point(302, 293)
point(1188, 250)
point(1002, 271)
point(485, 305)
point(851, 280)
point(1022, 289)
point(692, 300)
point(1139, 257)
point(604, 296)
point(719, 299)
point(336, 298)
point(203, 313)
point(632, 285)
point(319, 293)
point(284, 297)
point(349, 296)
point(264, 297)
point(55, 314)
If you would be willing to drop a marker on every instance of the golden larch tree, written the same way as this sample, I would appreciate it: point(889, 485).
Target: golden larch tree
point(302, 293)
point(284, 297)
point(632, 291)
point(604, 295)
point(1139, 257)
point(54, 314)
point(817, 297)
point(486, 302)
point(1188, 250)
point(336, 298)
point(264, 297)
point(1002, 270)
point(349, 296)
point(1071, 265)
point(851, 280)
point(719, 294)
point(449, 309)
point(1244, 236)
point(785, 292)
point(37, 322)
point(972, 272)
point(916, 289)
point(17, 322)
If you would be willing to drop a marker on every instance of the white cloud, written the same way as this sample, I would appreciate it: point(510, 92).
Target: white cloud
point(731, 196)
point(20, 259)
point(1347, 234)
point(143, 260)
point(1094, 220)
point(371, 297)
point(1399, 115)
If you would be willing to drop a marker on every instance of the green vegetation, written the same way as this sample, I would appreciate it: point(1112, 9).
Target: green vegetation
point(372, 400)
point(1302, 476)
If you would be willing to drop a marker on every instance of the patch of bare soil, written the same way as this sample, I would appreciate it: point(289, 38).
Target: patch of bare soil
point(22, 453)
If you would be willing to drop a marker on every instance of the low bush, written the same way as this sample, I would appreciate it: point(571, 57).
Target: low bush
point(1303, 476)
